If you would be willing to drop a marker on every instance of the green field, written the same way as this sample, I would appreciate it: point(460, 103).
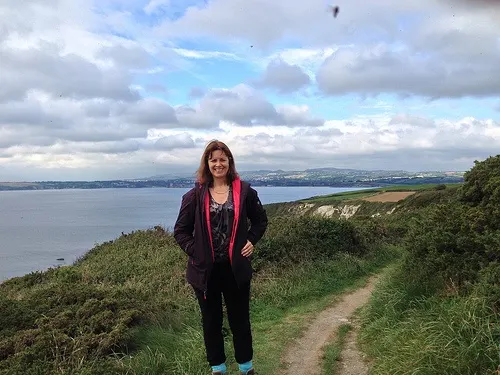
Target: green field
point(351, 195)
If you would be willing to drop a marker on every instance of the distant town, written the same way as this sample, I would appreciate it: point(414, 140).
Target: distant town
point(332, 177)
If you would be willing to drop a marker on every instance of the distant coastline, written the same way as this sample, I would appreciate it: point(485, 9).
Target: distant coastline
point(184, 183)
point(320, 177)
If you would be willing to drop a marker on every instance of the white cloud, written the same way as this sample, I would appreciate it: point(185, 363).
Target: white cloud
point(308, 22)
point(244, 105)
point(309, 60)
point(179, 141)
point(399, 142)
point(381, 144)
point(193, 54)
point(435, 64)
point(432, 48)
point(113, 90)
point(151, 112)
point(283, 77)
point(155, 5)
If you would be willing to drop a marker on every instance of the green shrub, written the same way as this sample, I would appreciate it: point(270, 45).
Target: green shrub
point(481, 188)
point(301, 238)
point(439, 312)
point(481, 185)
point(488, 286)
point(424, 199)
point(70, 320)
point(62, 325)
point(440, 250)
point(452, 242)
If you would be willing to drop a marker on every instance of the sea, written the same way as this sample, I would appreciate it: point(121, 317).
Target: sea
point(40, 229)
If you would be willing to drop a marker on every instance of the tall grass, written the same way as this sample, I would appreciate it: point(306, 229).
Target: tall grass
point(410, 331)
point(283, 301)
point(439, 311)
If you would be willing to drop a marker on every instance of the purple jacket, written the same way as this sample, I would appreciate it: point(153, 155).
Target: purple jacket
point(193, 233)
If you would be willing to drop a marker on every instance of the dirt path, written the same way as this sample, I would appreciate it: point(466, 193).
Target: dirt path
point(304, 357)
point(351, 360)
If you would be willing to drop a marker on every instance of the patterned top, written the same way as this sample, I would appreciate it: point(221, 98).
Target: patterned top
point(221, 221)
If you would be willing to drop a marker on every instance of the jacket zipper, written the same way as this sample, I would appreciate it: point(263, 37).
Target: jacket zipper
point(207, 232)
point(237, 208)
point(235, 223)
point(208, 228)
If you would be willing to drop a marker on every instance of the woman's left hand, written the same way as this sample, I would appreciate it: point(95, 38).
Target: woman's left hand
point(247, 249)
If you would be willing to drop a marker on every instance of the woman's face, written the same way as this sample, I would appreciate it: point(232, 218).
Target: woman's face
point(218, 163)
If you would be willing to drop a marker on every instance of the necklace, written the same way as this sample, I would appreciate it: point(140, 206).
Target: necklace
point(220, 192)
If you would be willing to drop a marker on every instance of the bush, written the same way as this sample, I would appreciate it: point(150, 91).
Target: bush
point(451, 243)
point(424, 199)
point(481, 184)
point(488, 286)
point(481, 189)
point(72, 320)
point(302, 238)
point(61, 326)
point(439, 251)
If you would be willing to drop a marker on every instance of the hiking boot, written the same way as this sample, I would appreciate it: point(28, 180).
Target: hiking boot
point(249, 372)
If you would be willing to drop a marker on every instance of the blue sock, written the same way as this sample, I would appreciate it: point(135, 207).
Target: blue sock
point(244, 367)
point(222, 368)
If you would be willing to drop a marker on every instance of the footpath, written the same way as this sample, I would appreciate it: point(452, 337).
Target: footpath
point(304, 355)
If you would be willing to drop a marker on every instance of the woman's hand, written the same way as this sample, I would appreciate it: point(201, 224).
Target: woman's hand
point(247, 249)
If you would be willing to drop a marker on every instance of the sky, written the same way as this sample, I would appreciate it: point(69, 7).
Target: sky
point(118, 89)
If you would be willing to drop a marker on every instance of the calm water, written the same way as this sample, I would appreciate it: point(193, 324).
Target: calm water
point(38, 227)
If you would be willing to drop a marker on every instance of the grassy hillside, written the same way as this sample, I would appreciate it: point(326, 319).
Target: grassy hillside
point(438, 311)
point(352, 204)
point(124, 308)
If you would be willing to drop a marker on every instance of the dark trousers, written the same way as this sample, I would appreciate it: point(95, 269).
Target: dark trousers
point(237, 300)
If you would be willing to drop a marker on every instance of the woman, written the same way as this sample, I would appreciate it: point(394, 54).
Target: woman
point(212, 228)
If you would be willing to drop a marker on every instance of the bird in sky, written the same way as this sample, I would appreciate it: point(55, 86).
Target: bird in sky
point(335, 10)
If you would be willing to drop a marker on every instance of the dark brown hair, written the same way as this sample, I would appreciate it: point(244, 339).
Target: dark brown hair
point(203, 174)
